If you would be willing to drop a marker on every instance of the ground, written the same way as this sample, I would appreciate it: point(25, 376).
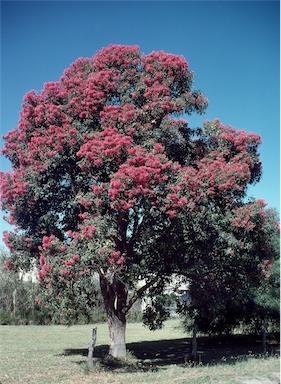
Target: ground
point(57, 354)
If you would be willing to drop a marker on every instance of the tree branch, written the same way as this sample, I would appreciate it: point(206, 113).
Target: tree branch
point(135, 230)
point(140, 291)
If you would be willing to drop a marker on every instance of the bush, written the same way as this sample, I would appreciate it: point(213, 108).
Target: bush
point(135, 316)
point(7, 318)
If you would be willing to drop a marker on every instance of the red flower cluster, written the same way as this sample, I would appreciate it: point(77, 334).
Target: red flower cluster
point(45, 271)
point(48, 241)
point(144, 174)
point(246, 217)
point(117, 57)
point(103, 147)
point(171, 66)
point(13, 186)
point(88, 231)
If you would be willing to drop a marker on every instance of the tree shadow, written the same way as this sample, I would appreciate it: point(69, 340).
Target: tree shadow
point(211, 351)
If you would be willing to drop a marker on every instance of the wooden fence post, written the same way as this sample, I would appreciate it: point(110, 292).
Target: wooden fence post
point(263, 335)
point(91, 348)
point(194, 341)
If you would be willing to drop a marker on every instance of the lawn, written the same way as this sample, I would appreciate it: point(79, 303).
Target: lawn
point(57, 354)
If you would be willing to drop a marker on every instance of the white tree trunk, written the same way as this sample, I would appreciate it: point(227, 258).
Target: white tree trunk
point(117, 330)
point(115, 299)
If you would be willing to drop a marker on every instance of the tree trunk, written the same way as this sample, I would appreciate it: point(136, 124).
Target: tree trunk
point(115, 301)
point(117, 328)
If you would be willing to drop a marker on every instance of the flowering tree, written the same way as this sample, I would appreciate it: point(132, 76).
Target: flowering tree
point(106, 178)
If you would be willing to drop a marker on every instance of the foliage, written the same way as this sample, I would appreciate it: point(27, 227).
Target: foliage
point(17, 299)
point(109, 181)
point(232, 286)
point(19, 302)
point(268, 296)
point(155, 314)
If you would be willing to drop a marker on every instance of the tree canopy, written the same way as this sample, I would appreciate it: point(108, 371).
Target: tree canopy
point(108, 179)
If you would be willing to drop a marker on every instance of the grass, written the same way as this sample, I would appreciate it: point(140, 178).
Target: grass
point(57, 354)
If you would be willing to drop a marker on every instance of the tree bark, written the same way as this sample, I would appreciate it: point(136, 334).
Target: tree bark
point(117, 328)
point(115, 300)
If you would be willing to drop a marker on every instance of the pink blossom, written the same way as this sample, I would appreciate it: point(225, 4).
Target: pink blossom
point(76, 258)
point(64, 272)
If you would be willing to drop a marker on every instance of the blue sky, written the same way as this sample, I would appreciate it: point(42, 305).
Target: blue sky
point(233, 48)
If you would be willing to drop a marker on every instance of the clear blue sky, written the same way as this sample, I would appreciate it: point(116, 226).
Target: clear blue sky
point(233, 48)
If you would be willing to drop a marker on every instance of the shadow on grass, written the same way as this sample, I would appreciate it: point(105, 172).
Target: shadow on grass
point(211, 350)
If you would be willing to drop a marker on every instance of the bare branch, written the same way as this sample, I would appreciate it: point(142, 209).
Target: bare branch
point(140, 291)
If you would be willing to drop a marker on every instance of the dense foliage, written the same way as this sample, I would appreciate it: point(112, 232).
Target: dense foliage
point(108, 181)
point(230, 286)
point(18, 298)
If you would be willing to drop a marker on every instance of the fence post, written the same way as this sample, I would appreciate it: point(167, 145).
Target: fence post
point(91, 348)
point(263, 335)
point(194, 340)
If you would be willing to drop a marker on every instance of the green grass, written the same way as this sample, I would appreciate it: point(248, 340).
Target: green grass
point(57, 354)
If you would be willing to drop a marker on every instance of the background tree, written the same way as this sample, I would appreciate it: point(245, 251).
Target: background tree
point(229, 286)
point(265, 301)
point(228, 239)
point(108, 180)
point(18, 297)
